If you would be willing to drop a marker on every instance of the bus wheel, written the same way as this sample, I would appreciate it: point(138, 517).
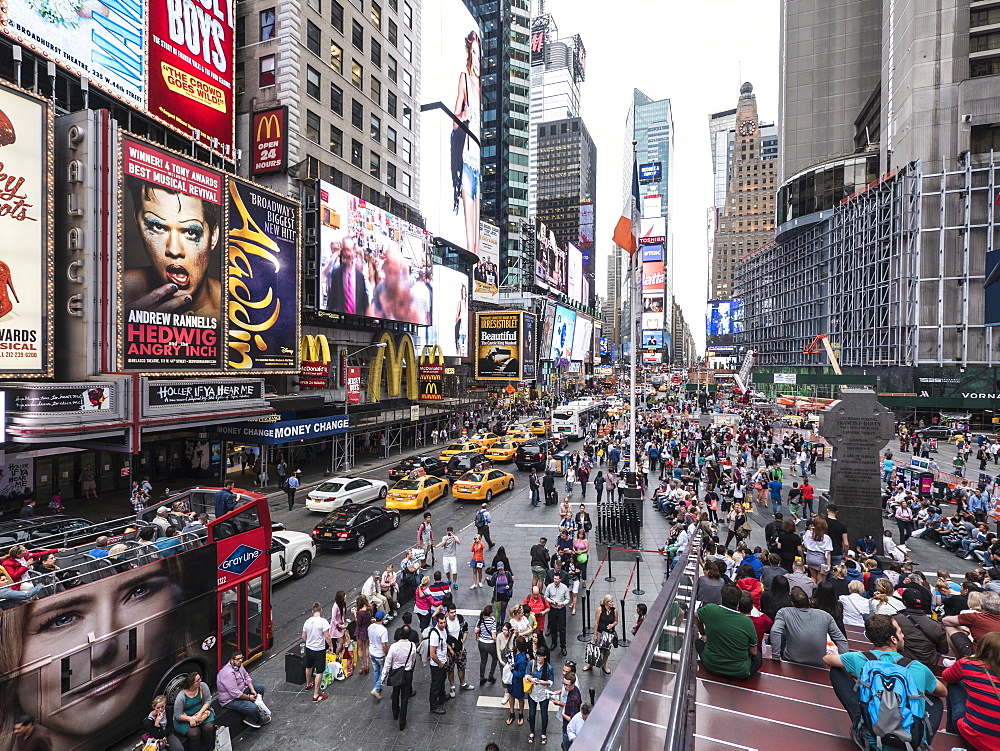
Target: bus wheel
point(171, 684)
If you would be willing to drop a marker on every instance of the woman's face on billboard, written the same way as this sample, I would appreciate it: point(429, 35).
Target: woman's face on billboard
point(66, 623)
point(179, 241)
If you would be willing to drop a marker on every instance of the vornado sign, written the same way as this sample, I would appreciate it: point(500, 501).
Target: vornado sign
point(268, 141)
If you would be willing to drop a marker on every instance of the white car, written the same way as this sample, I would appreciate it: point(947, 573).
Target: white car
point(292, 554)
point(333, 493)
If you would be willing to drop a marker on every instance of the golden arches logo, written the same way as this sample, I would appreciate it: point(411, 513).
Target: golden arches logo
point(267, 123)
point(430, 387)
point(314, 348)
point(431, 355)
point(397, 357)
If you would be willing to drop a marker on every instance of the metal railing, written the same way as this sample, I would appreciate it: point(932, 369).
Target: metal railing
point(669, 623)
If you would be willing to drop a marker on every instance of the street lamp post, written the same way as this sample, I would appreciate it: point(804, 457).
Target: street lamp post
point(347, 460)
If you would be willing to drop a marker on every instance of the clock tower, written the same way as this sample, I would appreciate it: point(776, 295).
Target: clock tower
point(746, 222)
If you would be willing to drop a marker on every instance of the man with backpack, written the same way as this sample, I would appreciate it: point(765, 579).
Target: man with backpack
point(483, 521)
point(886, 693)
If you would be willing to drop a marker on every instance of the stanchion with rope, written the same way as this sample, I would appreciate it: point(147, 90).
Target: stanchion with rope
point(609, 577)
point(638, 587)
point(624, 642)
point(587, 629)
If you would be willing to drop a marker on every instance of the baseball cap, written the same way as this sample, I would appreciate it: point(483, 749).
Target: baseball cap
point(379, 615)
point(499, 564)
point(162, 511)
point(376, 573)
point(913, 599)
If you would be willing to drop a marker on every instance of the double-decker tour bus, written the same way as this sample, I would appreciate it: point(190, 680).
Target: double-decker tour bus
point(104, 635)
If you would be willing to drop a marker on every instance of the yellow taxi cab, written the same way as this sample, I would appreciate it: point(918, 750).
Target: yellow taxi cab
point(416, 491)
point(538, 427)
point(487, 439)
point(459, 447)
point(519, 436)
point(503, 451)
point(481, 485)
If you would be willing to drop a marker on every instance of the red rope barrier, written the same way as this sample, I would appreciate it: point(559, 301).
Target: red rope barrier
point(606, 552)
point(635, 566)
point(637, 550)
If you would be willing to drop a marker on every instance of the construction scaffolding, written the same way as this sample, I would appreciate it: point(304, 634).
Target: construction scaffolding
point(894, 275)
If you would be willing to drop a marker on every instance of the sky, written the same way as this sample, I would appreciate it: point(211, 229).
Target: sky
point(697, 54)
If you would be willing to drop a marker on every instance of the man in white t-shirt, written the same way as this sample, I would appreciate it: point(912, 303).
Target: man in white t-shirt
point(449, 558)
point(316, 635)
point(378, 644)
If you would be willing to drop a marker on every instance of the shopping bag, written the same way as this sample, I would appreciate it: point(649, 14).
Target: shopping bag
point(347, 661)
point(265, 713)
point(223, 741)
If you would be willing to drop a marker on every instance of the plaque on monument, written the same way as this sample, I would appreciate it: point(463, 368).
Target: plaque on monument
point(857, 427)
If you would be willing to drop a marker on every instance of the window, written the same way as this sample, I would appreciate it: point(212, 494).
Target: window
point(407, 151)
point(336, 99)
point(357, 153)
point(390, 138)
point(407, 48)
point(390, 103)
point(390, 174)
point(337, 15)
point(376, 54)
point(316, 5)
point(241, 32)
point(393, 33)
point(336, 57)
point(376, 14)
point(405, 179)
point(336, 141)
point(376, 91)
point(407, 83)
point(357, 114)
point(357, 35)
point(267, 24)
point(312, 126)
point(394, 5)
point(266, 75)
point(375, 165)
point(393, 68)
point(407, 117)
point(240, 78)
point(376, 128)
point(357, 74)
point(408, 15)
point(312, 82)
point(989, 66)
point(313, 38)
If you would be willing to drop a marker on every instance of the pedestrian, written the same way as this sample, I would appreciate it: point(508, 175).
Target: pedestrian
point(549, 488)
point(425, 540)
point(599, 486)
point(583, 475)
point(282, 470)
point(576, 724)
point(402, 656)
point(540, 675)
point(533, 484)
point(539, 562)
point(458, 659)
point(502, 583)
point(557, 595)
point(571, 701)
point(477, 562)
point(88, 483)
point(378, 645)
point(239, 692)
point(449, 559)
point(316, 636)
point(518, 670)
point(291, 485)
point(606, 619)
point(486, 634)
point(483, 521)
point(437, 650)
point(29, 735)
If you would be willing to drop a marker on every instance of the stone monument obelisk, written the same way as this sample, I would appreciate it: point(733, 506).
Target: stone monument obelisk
point(857, 427)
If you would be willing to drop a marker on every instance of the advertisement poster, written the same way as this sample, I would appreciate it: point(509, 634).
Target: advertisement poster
point(583, 339)
point(991, 290)
point(563, 331)
point(16, 478)
point(652, 206)
point(652, 339)
point(102, 41)
point(268, 141)
point(60, 398)
point(171, 248)
point(371, 262)
point(451, 122)
point(262, 280)
point(451, 312)
point(430, 377)
point(652, 252)
point(25, 283)
point(653, 230)
point(354, 384)
point(724, 322)
point(550, 260)
point(498, 346)
point(486, 273)
point(548, 320)
point(652, 278)
point(191, 61)
point(314, 375)
point(574, 273)
point(529, 351)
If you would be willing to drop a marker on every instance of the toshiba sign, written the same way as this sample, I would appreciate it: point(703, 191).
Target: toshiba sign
point(268, 138)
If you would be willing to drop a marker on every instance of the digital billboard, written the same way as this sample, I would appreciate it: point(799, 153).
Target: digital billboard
point(652, 339)
point(991, 292)
point(170, 260)
point(652, 320)
point(451, 313)
point(372, 263)
point(563, 332)
point(102, 41)
point(262, 311)
point(529, 347)
point(583, 338)
point(499, 340)
point(550, 260)
point(574, 273)
point(451, 122)
point(25, 247)
point(653, 230)
point(652, 252)
point(652, 206)
point(652, 358)
point(545, 339)
point(605, 346)
point(652, 278)
point(191, 51)
point(651, 173)
point(724, 322)
point(486, 273)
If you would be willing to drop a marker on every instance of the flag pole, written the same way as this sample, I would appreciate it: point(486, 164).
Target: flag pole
point(633, 280)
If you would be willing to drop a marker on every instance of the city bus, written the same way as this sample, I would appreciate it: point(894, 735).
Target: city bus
point(106, 635)
point(571, 420)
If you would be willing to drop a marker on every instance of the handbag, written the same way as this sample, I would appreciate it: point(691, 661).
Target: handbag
point(593, 656)
point(581, 558)
point(527, 685)
point(398, 673)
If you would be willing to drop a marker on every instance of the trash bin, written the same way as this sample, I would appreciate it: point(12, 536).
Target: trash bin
point(295, 666)
point(926, 484)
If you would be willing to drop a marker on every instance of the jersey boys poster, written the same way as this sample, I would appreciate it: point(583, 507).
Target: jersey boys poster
point(171, 220)
point(262, 279)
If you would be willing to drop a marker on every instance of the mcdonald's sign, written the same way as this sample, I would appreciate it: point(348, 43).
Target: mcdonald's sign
point(431, 376)
point(314, 362)
point(398, 357)
point(314, 348)
point(268, 141)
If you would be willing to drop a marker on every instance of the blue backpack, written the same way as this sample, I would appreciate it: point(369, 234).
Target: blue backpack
point(893, 708)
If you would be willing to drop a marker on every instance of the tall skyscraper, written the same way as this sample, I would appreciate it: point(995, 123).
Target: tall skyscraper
point(611, 311)
point(745, 221)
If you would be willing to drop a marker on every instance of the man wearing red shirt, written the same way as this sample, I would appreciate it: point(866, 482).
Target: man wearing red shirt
point(538, 605)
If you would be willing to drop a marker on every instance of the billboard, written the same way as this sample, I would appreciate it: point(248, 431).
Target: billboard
point(652, 206)
point(991, 292)
point(652, 358)
point(583, 338)
point(486, 273)
point(102, 41)
point(724, 322)
point(545, 338)
point(574, 273)
point(651, 173)
point(191, 53)
point(550, 260)
point(268, 141)
point(450, 123)
point(653, 230)
point(652, 339)
point(170, 259)
point(262, 328)
point(451, 314)
point(25, 226)
point(652, 278)
point(563, 332)
point(605, 346)
point(652, 252)
point(371, 262)
point(529, 348)
point(501, 345)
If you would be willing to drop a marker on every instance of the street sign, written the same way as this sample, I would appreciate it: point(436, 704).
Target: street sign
point(510, 389)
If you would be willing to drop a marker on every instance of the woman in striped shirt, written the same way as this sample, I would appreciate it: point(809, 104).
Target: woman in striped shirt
point(486, 631)
point(974, 694)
